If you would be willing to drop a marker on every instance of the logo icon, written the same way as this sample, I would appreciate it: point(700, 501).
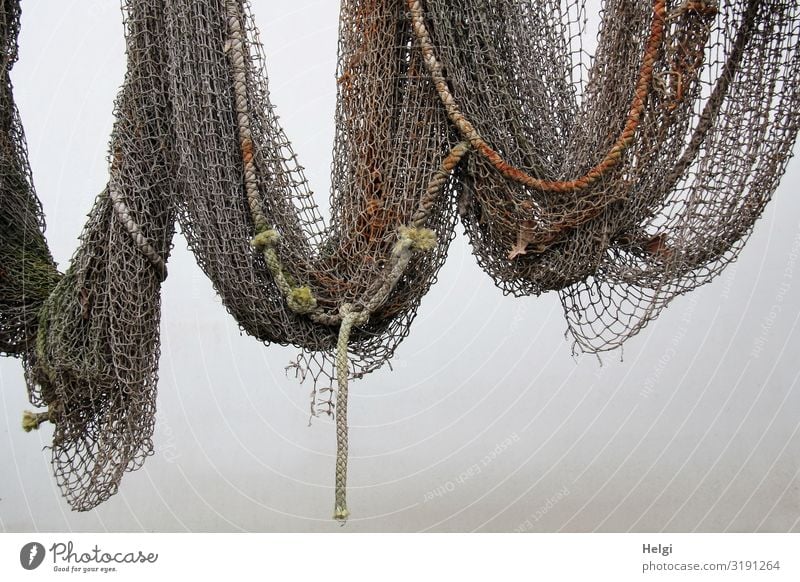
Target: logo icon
point(31, 555)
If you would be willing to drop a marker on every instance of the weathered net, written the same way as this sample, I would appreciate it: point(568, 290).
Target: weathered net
point(619, 180)
point(709, 90)
point(96, 356)
point(382, 167)
point(27, 271)
point(305, 277)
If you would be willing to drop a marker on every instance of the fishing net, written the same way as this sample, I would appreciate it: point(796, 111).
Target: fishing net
point(95, 360)
point(632, 183)
point(619, 179)
point(284, 274)
point(27, 271)
point(292, 289)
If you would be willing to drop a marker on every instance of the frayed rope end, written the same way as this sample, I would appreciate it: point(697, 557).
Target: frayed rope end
point(32, 421)
point(419, 239)
point(341, 514)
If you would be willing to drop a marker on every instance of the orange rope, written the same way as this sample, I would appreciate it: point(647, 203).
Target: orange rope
point(468, 131)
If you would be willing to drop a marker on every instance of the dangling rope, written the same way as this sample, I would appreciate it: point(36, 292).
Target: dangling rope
point(301, 299)
point(349, 319)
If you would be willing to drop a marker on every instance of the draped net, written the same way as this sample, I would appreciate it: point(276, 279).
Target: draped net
point(618, 179)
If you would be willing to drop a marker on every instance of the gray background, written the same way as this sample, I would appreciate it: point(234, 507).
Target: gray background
point(696, 430)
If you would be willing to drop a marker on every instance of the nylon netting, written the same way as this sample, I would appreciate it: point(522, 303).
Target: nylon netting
point(619, 179)
point(27, 271)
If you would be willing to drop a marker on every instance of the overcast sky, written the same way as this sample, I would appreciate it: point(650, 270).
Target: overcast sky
point(486, 423)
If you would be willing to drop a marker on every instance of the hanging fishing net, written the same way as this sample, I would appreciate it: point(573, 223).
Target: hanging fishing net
point(94, 359)
point(27, 271)
point(618, 179)
point(632, 183)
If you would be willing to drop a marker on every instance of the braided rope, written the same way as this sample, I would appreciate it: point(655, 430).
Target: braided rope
point(349, 319)
point(411, 239)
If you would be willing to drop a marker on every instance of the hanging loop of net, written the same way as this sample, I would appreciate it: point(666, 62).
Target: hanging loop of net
point(27, 271)
point(95, 364)
point(468, 131)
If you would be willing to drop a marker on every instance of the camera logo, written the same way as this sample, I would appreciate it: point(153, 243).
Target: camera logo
point(31, 555)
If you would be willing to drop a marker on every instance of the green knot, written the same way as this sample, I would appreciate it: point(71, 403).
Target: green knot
point(301, 300)
point(32, 421)
point(418, 239)
point(265, 239)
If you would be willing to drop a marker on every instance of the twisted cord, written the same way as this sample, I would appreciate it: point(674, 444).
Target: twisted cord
point(236, 55)
point(437, 182)
point(123, 213)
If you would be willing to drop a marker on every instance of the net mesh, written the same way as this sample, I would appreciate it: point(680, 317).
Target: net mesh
point(714, 130)
point(27, 271)
point(95, 360)
point(618, 179)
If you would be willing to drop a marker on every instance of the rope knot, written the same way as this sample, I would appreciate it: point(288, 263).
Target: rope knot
point(301, 300)
point(417, 239)
point(266, 239)
point(347, 313)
